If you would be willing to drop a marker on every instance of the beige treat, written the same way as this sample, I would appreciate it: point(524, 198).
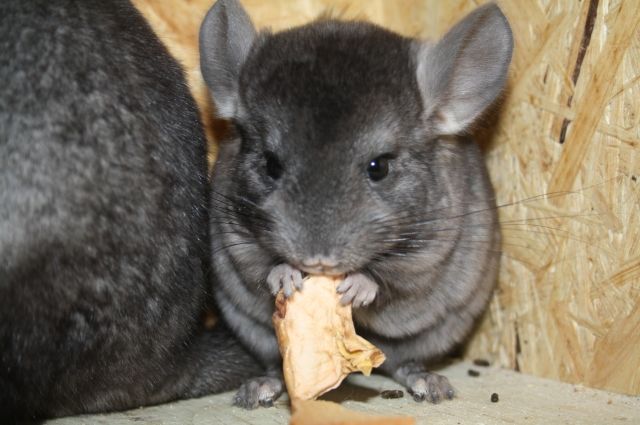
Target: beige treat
point(319, 412)
point(318, 342)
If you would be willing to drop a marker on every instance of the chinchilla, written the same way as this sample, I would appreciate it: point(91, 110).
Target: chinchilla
point(104, 243)
point(347, 159)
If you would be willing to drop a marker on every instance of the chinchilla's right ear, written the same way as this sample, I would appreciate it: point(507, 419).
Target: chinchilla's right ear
point(226, 36)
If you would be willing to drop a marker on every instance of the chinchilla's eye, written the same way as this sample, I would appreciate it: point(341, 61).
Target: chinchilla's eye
point(273, 166)
point(378, 168)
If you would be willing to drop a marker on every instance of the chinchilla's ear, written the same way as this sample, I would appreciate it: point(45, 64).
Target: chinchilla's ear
point(226, 36)
point(461, 75)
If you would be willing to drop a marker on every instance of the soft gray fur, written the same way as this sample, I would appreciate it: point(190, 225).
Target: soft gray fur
point(301, 187)
point(104, 246)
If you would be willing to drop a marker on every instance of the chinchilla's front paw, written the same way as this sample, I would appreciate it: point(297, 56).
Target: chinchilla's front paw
point(284, 277)
point(262, 391)
point(430, 386)
point(357, 289)
point(424, 385)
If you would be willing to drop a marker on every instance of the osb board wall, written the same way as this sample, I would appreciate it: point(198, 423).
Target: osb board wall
point(563, 155)
point(568, 304)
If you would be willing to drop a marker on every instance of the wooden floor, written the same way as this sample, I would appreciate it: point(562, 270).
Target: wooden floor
point(522, 400)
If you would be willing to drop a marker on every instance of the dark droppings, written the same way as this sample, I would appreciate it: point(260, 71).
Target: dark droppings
point(494, 398)
point(473, 372)
point(387, 394)
point(481, 362)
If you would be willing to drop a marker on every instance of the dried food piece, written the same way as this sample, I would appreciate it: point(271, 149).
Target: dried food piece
point(320, 412)
point(387, 394)
point(317, 340)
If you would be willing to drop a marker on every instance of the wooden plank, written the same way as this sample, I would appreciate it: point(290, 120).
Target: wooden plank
point(522, 399)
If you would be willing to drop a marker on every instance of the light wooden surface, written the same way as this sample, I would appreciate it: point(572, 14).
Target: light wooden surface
point(523, 400)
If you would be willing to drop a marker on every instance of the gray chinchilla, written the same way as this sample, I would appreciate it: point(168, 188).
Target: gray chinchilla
point(104, 244)
point(346, 161)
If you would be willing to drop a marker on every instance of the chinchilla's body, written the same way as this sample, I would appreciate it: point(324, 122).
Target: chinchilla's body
point(346, 161)
point(103, 236)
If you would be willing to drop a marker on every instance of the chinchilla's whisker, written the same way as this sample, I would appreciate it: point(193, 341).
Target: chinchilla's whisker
point(221, 197)
point(419, 243)
point(521, 259)
point(233, 200)
point(237, 203)
point(226, 247)
point(225, 220)
point(399, 219)
point(396, 240)
point(416, 240)
point(554, 195)
point(238, 227)
point(238, 199)
point(234, 220)
point(495, 251)
point(546, 230)
point(227, 206)
point(229, 211)
point(466, 248)
point(227, 202)
point(551, 217)
point(232, 232)
point(512, 227)
point(391, 216)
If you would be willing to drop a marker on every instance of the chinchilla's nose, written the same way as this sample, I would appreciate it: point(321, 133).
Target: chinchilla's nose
point(320, 264)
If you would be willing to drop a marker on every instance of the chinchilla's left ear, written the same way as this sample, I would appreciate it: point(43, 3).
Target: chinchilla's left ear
point(226, 37)
point(460, 76)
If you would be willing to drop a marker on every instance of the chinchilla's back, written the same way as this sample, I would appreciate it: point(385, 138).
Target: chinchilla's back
point(103, 237)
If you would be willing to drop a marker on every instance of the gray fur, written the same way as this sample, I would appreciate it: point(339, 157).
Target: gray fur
point(229, 31)
point(461, 75)
point(104, 245)
point(419, 247)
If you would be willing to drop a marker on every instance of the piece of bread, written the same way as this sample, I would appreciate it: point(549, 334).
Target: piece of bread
point(317, 339)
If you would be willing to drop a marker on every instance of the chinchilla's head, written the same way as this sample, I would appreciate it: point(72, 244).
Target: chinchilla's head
point(337, 123)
